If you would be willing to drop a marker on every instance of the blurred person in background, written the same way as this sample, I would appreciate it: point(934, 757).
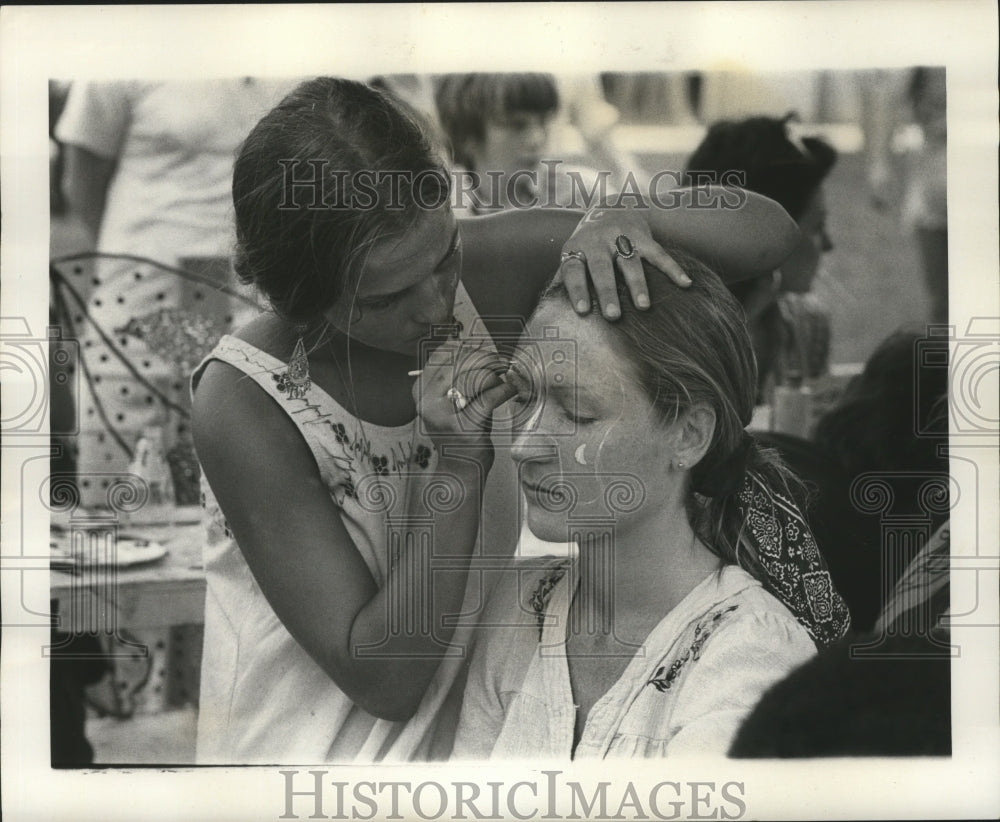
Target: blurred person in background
point(886, 689)
point(925, 209)
point(499, 127)
point(919, 180)
point(790, 329)
point(890, 422)
point(148, 170)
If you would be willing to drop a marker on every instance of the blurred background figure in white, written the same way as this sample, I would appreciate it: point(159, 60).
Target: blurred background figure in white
point(532, 138)
point(146, 171)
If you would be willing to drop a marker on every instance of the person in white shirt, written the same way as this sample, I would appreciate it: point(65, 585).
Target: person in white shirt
point(148, 172)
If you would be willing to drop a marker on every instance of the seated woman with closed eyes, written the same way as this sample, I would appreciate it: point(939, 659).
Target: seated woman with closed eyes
point(695, 585)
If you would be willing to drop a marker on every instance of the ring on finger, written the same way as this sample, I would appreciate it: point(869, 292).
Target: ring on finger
point(573, 255)
point(457, 398)
point(624, 247)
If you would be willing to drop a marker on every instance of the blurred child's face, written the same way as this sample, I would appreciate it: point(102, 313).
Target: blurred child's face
point(513, 143)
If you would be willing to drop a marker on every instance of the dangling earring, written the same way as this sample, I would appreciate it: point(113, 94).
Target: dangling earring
point(295, 379)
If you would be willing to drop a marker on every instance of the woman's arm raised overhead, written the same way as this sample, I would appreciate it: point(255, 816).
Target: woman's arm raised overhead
point(510, 256)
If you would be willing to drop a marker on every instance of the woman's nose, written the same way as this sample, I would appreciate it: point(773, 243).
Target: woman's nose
point(529, 442)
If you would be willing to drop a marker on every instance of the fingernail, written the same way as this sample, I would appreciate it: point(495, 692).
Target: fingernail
point(582, 306)
point(642, 301)
point(685, 279)
point(611, 310)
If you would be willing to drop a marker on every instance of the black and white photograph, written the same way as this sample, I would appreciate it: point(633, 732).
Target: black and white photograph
point(428, 402)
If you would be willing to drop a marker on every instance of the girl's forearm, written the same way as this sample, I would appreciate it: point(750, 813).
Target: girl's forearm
point(401, 636)
point(740, 233)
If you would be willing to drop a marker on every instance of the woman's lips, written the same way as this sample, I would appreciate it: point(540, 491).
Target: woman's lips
point(536, 488)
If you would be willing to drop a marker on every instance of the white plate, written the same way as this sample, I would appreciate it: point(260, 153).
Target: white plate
point(131, 551)
point(138, 551)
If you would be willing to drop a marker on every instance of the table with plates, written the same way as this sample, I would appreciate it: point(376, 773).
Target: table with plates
point(139, 587)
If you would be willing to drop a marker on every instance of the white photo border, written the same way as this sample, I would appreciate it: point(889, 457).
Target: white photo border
point(42, 43)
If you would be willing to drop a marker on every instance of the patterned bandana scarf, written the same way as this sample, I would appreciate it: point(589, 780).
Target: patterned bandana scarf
point(789, 563)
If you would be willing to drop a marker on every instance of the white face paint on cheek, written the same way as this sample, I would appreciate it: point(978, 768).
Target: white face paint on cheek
point(614, 424)
point(581, 451)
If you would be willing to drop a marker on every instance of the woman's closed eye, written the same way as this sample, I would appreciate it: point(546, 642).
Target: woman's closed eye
point(578, 418)
point(574, 412)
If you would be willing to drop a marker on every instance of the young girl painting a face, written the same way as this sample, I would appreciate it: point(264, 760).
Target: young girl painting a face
point(345, 435)
point(696, 585)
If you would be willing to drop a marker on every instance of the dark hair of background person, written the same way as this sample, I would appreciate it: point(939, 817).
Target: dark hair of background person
point(368, 146)
point(920, 78)
point(771, 162)
point(468, 103)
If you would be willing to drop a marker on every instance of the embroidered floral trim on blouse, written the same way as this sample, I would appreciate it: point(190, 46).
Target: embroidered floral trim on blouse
point(543, 592)
point(664, 676)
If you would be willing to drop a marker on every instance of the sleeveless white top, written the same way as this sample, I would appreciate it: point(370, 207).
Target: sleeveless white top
point(263, 699)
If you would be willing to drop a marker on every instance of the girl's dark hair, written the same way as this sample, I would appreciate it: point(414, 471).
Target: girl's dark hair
point(691, 347)
point(332, 169)
point(467, 103)
point(774, 164)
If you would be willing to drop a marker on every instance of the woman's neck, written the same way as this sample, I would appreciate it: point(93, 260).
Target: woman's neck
point(642, 574)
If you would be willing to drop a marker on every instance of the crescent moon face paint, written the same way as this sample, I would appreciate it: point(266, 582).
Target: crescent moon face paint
point(581, 426)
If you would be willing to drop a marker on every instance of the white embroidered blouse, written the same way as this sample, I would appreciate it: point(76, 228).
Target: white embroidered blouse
point(701, 671)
